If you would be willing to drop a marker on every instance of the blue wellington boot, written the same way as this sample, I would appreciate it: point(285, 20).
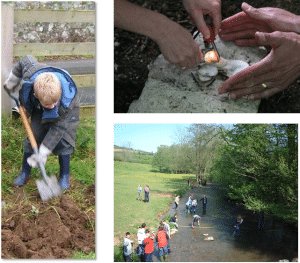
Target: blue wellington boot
point(64, 179)
point(24, 176)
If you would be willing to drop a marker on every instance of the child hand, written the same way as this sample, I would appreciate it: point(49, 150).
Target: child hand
point(41, 157)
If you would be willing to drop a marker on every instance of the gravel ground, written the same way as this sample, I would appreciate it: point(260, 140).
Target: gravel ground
point(133, 52)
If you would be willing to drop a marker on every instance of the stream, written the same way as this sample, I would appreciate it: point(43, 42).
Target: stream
point(276, 242)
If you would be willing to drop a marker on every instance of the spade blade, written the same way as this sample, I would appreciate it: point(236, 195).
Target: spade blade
point(48, 188)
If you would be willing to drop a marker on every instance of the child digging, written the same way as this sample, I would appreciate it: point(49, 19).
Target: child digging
point(50, 97)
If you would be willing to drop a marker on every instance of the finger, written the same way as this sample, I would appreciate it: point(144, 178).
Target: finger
point(200, 23)
point(236, 94)
point(235, 20)
point(265, 94)
point(273, 39)
point(246, 42)
point(249, 33)
point(250, 72)
point(217, 19)
point(253, 12)
point(268, 78)
point(251, 25)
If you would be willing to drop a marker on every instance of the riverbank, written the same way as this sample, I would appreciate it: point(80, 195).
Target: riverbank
point(129, 213)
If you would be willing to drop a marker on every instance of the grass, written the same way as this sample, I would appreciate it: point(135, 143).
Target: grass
point(82, 165)
point(129, 213)
point(81, 255)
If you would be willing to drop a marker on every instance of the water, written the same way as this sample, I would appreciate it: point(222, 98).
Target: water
point(188, 245)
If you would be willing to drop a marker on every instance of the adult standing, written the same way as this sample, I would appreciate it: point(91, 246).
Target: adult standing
point(147, 193)
point(140, 189)
point(261, 221)
point(238, 222)
point(204, 202)
point(177, 198)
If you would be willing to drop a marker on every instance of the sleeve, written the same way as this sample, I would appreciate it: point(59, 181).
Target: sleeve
point(167, 235)
point(63, 128)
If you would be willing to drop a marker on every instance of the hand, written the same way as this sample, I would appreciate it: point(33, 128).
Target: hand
point(272, 74)
point(198, 8)
point(41, 157)
point(242, 26)
point(193, 227)
point(178, 46)
point(11, 83)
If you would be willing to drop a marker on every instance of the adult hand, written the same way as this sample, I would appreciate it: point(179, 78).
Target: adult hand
point(273, 73)
point(178, 46)
point(198, 8)
point(242, 26)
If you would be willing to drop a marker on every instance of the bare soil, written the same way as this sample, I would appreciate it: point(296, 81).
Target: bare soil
point(35, 230)
point(133, 53)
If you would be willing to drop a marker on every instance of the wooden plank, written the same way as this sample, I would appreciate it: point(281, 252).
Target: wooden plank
point(55, 49)
point(82, 81)
point(87, 111)
point(61, 16)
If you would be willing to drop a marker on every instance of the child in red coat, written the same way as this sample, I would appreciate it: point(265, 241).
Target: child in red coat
point(162, 239)
point(149, 246)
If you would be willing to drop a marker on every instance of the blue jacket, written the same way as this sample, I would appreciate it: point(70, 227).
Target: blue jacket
point(63, 120)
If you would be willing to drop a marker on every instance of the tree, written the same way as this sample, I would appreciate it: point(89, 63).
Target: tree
point(259, 165)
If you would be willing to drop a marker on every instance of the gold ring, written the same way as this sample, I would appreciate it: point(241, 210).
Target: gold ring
point(264, 85)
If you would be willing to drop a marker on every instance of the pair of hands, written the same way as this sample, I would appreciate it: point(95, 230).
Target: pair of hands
point(263, 27)
point(41, 157)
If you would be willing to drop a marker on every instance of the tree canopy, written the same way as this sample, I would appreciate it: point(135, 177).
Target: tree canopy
point(259, 164)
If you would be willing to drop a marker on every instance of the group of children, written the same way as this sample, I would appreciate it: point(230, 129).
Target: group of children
point(192, 203)
point(146, 241)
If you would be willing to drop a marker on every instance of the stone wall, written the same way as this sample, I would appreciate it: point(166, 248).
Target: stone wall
point(53, 32)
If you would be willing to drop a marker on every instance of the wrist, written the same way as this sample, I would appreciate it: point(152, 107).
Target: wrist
point(161, 26)
point(43, 150)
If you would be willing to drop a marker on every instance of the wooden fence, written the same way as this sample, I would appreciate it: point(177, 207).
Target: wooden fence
point(59, 49)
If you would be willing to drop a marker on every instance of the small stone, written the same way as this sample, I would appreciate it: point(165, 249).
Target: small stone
point(12, 224)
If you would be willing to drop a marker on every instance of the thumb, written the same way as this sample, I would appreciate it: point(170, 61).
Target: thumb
point(252, 12)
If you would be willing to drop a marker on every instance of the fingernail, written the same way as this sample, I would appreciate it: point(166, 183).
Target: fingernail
point(261, 36)
point(245, 6)
point(250, 97)
point(232, 96)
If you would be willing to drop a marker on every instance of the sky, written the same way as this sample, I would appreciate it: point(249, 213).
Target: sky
point(146, 137)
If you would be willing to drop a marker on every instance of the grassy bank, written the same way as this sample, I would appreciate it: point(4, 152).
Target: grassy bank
point(129, 213)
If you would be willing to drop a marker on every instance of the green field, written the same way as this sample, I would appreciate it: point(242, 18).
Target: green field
point(129, 213)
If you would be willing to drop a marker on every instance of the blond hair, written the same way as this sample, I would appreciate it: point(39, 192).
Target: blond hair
point(47, 88)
